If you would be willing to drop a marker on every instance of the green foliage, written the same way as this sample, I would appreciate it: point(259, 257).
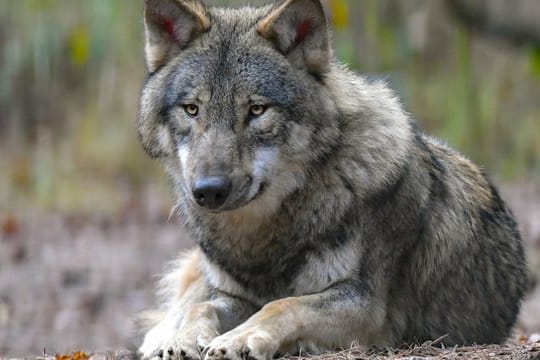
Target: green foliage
point(535, 62)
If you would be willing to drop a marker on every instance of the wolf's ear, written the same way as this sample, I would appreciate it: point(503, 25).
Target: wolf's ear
point(170, 26)
point(299, 29)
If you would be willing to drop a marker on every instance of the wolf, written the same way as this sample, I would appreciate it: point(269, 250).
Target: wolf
point(322, 215)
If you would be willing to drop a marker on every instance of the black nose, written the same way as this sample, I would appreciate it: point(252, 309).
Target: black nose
point(211, 192)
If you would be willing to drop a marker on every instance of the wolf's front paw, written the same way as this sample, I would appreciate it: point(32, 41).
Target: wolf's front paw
point(186, 347)
point(243, 343)
point(154, 341)
point(166, 344)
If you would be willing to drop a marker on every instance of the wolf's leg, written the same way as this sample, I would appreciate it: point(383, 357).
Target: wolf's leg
point(194, 315)
point(167, 329)
point(181, 288)
point(328, 320)
point(202, 323)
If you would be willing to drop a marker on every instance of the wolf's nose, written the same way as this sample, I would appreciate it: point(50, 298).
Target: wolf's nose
point(211, 192)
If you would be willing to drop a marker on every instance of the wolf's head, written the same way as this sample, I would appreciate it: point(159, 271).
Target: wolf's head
point(235, 101)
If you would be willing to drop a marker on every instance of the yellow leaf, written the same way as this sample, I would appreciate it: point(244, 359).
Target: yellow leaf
point(340, 12)
point(79, 46)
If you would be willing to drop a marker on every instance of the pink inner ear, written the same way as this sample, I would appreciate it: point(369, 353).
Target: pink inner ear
point(168, 26)
point(302, 30)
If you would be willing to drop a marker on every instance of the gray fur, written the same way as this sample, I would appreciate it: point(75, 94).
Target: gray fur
point(344, 222)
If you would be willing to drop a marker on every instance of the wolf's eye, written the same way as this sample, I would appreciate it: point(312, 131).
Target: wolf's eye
point(191, 110)
point(257, 110)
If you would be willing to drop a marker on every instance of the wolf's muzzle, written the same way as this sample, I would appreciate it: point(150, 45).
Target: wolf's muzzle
point(211, 192)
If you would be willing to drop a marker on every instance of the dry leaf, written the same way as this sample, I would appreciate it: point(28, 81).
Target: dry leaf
point(78, 355)
point(9, 226)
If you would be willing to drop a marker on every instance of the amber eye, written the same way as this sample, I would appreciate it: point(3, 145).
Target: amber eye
point(257, 110)
point(191, 110)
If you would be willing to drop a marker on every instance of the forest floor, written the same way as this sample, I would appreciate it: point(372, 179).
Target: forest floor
point(530, 351)
point(75, 282)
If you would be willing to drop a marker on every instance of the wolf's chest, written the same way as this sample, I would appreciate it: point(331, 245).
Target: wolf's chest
point(300, 274)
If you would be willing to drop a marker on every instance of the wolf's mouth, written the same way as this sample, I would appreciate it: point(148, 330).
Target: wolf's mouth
point(239, 204)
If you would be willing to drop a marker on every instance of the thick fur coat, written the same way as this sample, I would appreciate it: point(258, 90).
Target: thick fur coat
point(322, 214)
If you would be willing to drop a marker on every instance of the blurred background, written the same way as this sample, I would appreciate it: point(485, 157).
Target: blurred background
point(84, 226)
